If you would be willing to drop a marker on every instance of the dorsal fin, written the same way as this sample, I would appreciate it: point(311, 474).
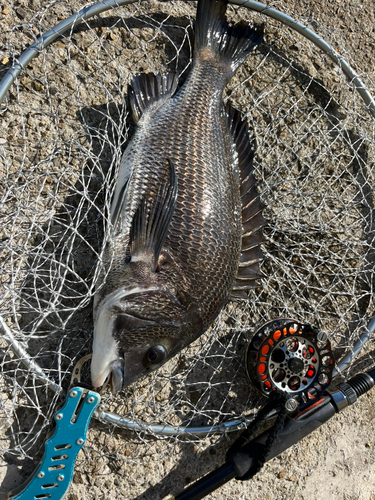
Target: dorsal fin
point(146, 89)
point(253, 221)
point(152, 218)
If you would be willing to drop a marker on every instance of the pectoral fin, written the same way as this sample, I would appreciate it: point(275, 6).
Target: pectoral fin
point(152, 219)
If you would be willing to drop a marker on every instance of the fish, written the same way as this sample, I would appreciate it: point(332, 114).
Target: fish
point(186, 217)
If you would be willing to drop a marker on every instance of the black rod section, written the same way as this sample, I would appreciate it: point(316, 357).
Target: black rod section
point(208, 483)
point(295, 428)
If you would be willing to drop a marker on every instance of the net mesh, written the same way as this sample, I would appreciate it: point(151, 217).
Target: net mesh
point(65, 125)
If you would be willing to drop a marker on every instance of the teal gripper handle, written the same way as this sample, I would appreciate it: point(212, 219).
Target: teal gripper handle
point(52, 478)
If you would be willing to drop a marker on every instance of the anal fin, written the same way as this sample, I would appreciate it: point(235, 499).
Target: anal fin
point(253, 222)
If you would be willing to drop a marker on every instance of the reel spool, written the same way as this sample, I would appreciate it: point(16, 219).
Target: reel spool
point(292, 359)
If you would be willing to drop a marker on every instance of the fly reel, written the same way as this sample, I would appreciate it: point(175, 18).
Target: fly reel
point(286, 357)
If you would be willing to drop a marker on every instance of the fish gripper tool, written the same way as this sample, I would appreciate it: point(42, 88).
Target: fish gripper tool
point(53, 476)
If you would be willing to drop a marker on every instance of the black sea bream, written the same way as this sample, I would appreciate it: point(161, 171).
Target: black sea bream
point(186, 217)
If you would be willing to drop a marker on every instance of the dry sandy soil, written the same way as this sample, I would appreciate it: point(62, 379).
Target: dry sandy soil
point(337, 460)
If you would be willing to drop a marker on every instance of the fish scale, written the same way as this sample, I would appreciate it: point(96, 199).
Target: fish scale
point(175, 249)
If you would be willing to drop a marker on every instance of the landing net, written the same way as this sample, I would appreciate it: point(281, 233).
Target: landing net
point(65, 124)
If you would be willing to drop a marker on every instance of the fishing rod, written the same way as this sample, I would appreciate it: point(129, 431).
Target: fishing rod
point(297, 416)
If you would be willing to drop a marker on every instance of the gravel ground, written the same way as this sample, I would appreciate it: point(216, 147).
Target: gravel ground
point(336, 461)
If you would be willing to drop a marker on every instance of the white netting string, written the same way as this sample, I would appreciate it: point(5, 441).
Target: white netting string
point(64, 127)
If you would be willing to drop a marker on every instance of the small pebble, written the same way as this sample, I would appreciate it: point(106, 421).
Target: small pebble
point(281, 474)
point(21, 12)
point(77, 478)
point(38, 86)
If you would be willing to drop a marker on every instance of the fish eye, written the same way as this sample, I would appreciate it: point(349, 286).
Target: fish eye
point(155, 355)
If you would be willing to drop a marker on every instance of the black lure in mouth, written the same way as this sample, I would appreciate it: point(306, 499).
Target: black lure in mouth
point(116, 375)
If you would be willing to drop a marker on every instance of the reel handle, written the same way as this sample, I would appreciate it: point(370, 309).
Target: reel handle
point(293, 431)
point(295, 428)
point(303, 423)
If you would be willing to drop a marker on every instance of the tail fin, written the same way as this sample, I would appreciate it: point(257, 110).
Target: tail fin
point(232, 44)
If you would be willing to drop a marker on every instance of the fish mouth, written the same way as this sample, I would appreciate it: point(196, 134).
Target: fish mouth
point(112, 375)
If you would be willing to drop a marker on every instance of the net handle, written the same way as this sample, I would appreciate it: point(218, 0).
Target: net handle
point(84, 14)
point(24, 357)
